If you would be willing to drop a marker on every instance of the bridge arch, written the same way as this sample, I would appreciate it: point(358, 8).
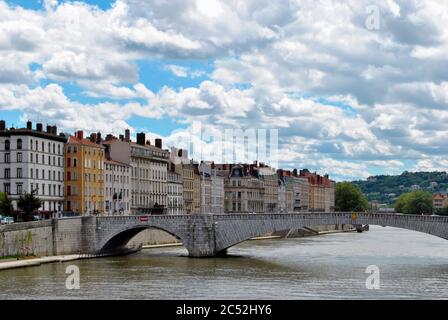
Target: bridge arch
point(119, 239)
point(230, 232)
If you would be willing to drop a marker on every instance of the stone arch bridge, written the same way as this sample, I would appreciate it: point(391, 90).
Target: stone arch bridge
point(208, 235)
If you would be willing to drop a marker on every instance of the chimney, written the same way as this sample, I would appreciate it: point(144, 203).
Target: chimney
point(98, 137)
point(179, 153)
point(55, 130)
point(2, 125)
point(141, 137)
point(109, 137)
point(127, 135)
point(29, 125)
point(80, 134)
point(121, 137)
point(39, 127)
point(48, 129)
point(159, 143)
point(148, 142)
point(93, 137)
point(294, 172)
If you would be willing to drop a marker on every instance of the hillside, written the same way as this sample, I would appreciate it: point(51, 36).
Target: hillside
point(387, 188)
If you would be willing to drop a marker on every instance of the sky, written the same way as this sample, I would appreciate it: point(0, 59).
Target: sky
point(354, 88)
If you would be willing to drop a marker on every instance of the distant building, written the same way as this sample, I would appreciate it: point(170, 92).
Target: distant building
point(415, 187)
point(440, 201)
point(175, 192)
point(117, 186)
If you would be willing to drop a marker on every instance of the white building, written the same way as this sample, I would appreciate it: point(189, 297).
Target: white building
point(175, 193)
point(117, 186)
point(149, 171)
point(33, 160)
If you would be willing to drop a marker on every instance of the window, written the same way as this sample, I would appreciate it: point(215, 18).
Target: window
point(43, 147)
point(7, 188)
point(7, 173)
point(75, 149)
point(43, 189)
point(59, 149)
point(43, 158)
point(31, 174)
point(31, 157)
point(19, 144)
point(69, 162)
point(7, 158)
point(31, 144)
point(19, 172)
point(54, 148)
point(69, 175)
point(37, 146)
point(19, 188)
point(75, 162)
point(19, 156)
point(7, 145)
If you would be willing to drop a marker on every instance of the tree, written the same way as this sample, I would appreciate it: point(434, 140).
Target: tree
point(416, 202)
point(28, 203)
point(5, 204)
point(349, 197)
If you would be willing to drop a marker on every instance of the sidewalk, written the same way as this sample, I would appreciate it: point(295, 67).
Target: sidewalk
point(38, 261)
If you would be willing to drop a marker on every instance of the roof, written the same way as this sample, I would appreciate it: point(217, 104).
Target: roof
point(110, 161)
point(84, 142)
point(31, 132)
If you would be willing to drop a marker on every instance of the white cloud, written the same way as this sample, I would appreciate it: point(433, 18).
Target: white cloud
point(338, 92)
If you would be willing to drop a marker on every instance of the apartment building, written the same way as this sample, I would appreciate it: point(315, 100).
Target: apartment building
point(321, 192)
point(32, 160)
point(175, 191)
point(244, 190)
point(186, 168)
point(117, 186)
point(270, 183)
point(298, 188)
point(84, 174)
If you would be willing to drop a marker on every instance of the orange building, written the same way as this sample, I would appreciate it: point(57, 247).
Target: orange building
point(84, 174)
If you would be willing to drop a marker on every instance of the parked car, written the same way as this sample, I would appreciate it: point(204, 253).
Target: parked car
point(7, 220)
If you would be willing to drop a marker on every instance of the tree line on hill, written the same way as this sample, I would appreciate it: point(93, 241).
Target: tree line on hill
point(386, 189)
point(349, 197)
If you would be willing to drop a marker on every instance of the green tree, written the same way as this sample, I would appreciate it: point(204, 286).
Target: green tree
point(416, 202)
point(5, 204)
point(28, 203)
point(349, 197)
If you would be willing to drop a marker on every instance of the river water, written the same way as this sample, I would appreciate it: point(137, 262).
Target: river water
point(411, 265)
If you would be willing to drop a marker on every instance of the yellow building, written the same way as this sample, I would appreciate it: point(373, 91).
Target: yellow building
point(84, 174)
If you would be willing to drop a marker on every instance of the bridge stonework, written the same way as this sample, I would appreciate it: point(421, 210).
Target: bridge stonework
point(207, 235)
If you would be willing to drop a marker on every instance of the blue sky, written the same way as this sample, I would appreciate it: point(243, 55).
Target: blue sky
point(163, 67)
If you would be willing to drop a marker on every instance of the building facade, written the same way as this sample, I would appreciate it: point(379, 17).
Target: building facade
point(32, 160)
point(84, 174)
point(149, 176)
point(270, 183)
point(217, 192)
point(175, 192)
point(244, 190)
point(117, 188)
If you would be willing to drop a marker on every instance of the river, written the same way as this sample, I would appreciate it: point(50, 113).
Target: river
point(412, 265)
